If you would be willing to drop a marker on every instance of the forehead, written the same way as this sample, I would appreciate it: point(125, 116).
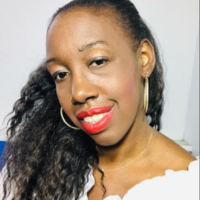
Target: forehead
point(81, 16)
point(82, 25)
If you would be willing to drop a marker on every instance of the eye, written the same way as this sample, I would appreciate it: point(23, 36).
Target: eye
point(59, 76)
point(98, 62)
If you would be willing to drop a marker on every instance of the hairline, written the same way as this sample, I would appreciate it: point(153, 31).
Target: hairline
point(109, 11)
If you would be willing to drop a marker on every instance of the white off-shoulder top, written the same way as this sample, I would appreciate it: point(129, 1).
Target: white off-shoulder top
point(181, 185)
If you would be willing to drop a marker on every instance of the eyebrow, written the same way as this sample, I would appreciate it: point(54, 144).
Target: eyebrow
point(51, 60)
point(90, 45)
point(84, 47)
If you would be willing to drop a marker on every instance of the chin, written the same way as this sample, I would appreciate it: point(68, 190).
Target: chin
point(106, 141)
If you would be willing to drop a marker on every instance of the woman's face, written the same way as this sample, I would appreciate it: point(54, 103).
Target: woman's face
point(97, 74)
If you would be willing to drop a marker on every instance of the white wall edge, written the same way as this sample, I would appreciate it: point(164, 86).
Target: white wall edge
point(184, 145)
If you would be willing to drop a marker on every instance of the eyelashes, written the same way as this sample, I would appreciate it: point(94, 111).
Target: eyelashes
point(98, 62)
point(59, 75)
point(95, 63)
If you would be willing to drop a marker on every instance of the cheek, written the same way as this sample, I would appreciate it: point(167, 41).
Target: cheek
point(64, 97)
point(128, 96)
point(127, 87)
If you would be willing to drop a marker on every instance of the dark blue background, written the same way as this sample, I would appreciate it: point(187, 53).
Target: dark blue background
point(2, 145)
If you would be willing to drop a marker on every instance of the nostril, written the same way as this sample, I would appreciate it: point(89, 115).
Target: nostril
point(89, 98)
point(76, 102)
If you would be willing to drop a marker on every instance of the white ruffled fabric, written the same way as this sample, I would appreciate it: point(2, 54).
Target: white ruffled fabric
point(181, 185)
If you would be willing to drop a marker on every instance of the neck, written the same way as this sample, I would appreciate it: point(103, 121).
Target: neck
point(132, 145)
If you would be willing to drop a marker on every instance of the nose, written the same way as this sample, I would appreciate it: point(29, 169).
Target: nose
point(83, 89)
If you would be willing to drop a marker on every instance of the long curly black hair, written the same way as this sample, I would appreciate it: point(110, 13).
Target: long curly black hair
point(46, 160)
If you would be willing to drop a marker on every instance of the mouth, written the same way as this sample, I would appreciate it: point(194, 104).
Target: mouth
point(96, 120)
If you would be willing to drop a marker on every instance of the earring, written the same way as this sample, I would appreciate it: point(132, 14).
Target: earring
point(72, 127)
point(146, 94)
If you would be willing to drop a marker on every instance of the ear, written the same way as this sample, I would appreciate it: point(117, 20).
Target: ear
point(147, 58)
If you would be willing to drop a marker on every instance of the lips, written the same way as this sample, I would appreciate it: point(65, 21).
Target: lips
point(96, 120)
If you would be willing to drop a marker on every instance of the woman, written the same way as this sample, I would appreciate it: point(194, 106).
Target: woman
point(86, 125)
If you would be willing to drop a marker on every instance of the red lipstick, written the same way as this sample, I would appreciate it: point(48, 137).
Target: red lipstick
point(101, 124)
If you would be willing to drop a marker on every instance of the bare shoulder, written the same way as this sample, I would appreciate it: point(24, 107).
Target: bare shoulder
point(173, 156)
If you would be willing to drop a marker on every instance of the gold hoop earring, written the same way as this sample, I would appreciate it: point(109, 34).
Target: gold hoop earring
point(72, 127)
point(146, 94)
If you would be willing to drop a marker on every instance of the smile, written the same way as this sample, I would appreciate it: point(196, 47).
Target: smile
point(95, 120)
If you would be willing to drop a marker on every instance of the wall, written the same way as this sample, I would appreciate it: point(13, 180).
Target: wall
point(175, 24)
point(191, 134)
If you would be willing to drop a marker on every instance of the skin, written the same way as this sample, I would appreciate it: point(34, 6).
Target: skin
point(78, 37)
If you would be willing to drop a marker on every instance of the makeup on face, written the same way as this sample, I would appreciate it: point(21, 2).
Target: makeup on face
point(98, 82)
point(96, 120)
